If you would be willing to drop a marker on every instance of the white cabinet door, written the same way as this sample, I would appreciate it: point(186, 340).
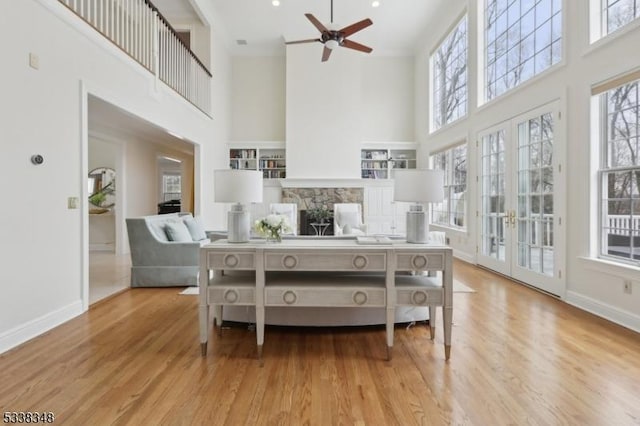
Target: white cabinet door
point(382, 215)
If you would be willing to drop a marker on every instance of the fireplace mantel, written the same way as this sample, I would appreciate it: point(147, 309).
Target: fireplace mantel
point(332, 182)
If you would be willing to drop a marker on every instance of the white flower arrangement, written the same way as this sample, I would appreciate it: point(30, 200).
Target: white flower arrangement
point(272, 226)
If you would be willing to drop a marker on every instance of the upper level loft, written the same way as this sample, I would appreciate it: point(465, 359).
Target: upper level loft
point(142, 31)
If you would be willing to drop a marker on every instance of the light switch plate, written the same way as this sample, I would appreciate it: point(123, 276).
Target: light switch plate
point(34, 61)
point(72, 203)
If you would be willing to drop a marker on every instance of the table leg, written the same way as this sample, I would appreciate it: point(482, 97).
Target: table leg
point(260, 332)
point(391, 316)
point(432, 321)
point(204, 328)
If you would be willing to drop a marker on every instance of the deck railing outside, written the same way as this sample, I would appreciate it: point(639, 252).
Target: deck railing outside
point(140, 30)
point(623, 224)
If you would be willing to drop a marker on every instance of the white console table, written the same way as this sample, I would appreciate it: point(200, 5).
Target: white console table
point(324, 273)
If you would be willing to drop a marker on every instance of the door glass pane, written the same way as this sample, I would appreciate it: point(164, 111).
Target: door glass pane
point(493, 196)
point(535, 194)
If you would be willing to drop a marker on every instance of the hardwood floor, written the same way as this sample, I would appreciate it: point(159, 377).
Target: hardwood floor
point(518, 357)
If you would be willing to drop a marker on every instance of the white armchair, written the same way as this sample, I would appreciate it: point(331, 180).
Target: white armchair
point(290, 210)
point(347, 219)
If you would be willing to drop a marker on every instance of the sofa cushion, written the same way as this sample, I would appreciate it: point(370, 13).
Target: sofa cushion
point(177, 231)
point(157, 229)
point(195, 228)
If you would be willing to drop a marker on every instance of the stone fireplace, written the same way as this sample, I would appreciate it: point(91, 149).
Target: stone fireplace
point(308, 198)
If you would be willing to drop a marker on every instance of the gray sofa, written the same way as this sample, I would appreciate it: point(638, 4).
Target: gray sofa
point(155, 260)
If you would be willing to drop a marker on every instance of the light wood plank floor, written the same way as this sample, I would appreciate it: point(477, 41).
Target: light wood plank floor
point(518, 357)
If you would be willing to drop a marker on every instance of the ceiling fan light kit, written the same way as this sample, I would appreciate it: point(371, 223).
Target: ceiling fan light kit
point(332, 39)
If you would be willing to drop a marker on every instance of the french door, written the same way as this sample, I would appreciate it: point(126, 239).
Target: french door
point(521, 204)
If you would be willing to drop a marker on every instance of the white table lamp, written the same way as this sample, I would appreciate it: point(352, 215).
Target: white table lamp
point(418, 186)
point(239, 187)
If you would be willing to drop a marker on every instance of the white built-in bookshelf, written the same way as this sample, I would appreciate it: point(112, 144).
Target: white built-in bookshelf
point(271, 160)
point(376, 163)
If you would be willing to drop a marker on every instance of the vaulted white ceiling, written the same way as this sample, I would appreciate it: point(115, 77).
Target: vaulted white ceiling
point(397, 24)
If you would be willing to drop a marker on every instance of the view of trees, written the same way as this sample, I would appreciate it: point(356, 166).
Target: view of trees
point(451, 212)
point(623, 179)
point(618, 13)
point(522, 39)
point(450, 77)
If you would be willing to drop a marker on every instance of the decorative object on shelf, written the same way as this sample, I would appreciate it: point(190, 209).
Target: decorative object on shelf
point(272, 227)
point(418, 186)
point(320, 214)
point(239, 187)
point(102, 187)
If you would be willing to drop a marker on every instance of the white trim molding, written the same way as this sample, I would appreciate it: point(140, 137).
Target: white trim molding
point(27, 331)
point(611, 313)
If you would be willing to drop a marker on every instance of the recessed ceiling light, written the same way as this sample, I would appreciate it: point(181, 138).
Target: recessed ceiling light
point(241, 42)
point(276, 2)
point(376, 3)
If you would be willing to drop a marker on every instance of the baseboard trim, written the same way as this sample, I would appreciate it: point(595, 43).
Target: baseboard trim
point(464, 256)
point(616, 315)
point(22, 333)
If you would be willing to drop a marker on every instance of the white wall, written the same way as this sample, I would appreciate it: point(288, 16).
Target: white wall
point(322, 103)
point(324, 115)
point(258, 101)
point(214, 155)
point(387, 105)
point(598, 290)
point(44, 111)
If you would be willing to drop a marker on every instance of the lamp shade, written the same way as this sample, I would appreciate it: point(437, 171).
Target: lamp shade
point(418, 185)
point(238, 186)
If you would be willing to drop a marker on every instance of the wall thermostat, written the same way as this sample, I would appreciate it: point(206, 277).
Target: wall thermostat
point(37, 159)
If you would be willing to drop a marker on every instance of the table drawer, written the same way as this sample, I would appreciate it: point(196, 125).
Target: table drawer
point(419, 261)
point(325, 296)
point(323, 261)
point(232, 260)
point(418, 296)
point(222, 295)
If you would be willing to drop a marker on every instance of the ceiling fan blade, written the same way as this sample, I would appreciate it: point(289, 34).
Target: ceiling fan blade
point(354, 28)
point(325, 54)
point(316, 23)
point(311, 40)
point(356, 46)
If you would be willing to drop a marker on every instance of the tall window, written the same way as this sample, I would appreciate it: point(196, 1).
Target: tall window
point(449, 77)
point(452, 211)
point(620, 172)
point(171, 187)
point(522, 39)
point(616, 14)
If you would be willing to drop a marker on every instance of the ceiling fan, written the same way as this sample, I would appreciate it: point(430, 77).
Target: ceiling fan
point(336, 38)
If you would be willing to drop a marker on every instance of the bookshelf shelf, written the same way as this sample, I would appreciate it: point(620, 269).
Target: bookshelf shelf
point(271, 161)
point(376, 163)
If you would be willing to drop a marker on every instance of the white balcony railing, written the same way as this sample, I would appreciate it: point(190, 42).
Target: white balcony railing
point(623, 224)
point(140, 30)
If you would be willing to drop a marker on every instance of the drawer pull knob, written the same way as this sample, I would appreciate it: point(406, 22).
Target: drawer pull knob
point(289, 297)
point(419, 261)
point(231, 260)
point(289, 261)
point(360, 261)
point(231, 296)
point(360, 297)
point(419, 297)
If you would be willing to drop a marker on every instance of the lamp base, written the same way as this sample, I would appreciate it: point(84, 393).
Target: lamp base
point(238, 224)
point(416, 225)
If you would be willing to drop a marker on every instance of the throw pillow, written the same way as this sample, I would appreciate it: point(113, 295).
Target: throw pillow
point(195, 228)
point(177, 231)
point(346, 229)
